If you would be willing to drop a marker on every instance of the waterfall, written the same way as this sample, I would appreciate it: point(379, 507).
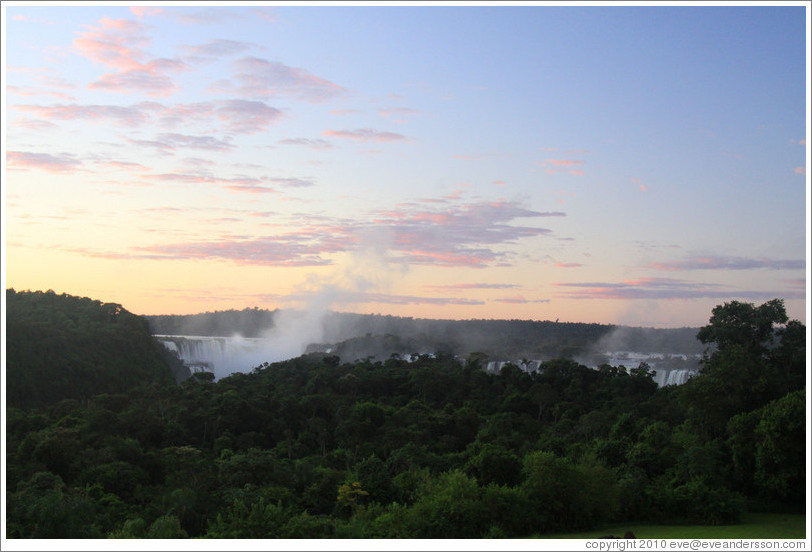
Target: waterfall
point(495, 366)
point(219, 355)
point(671, 369)
point(673, 377)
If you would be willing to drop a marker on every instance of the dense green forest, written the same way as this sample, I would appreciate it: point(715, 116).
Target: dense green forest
point(61, 346)
point(438, 448)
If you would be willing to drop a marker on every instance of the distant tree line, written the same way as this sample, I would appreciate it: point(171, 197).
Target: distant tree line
point(436, 448)
point(363, 335)
point(249, 322)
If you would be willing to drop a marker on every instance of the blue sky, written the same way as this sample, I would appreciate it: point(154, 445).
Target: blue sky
point(633, 165)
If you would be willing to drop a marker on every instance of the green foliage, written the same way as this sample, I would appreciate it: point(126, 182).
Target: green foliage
point(563, 495)
point(495, 464)
point(351, 495)
point(743, 324)
point(449, 506)
point(756, 361)
point(60, 346)
point(706, 504)
point(44, 507)
point(132, 529)
point(249, 521)
point(166, 527)
point(780, 454)
point(435, 448)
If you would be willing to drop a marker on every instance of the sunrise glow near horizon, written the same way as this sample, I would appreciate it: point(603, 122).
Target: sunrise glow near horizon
point(622, 165)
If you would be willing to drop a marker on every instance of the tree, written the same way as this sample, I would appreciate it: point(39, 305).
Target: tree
point(756, 361)
point(743, 324)
point(496, 464)
point(780, 452)
point(166, 527)
point(351, 495)
point(257, 520)
point(449, 507)
point(564, 496)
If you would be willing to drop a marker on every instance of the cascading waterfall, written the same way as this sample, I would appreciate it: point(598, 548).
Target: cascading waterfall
point(673, 377)
point(663, 373)
point(495, 366)
point(225, 355)
point(219, 355)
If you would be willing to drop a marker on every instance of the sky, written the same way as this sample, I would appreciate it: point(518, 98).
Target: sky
point(617, 164)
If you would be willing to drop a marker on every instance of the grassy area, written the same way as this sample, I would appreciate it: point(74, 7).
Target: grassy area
point(752, 526)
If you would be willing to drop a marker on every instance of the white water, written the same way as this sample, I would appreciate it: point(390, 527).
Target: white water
point(688, 365)
point(226, 355)
point(657, 362)
point(220, 355)
point(495, 366)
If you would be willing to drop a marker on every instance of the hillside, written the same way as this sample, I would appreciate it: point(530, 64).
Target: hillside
point(65, 347)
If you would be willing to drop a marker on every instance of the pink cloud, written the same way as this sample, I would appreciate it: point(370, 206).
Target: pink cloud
point(135, 81)
point(33, 124)
point(520, 300)
point(467, 258)
point(246, 117)
point(398, 112)
point(719, 262)
point(662, 288)
point(216, 49)
point(126, 166)
point(233, 116)
point(458, 287)
point(42, 161)
point(344, 112)
point(237, 184)
point(291, 182)
point(570, 166)
point(306, 248)
point(167, 143)
point(316, 144)
point(243, 184)
point(260, 78)
point(265, 13)
point(454, 234)
point(366, 135)
point(236, 116)
point(563, 162)
point(568, 265)
point(360, 297)
point(202, 16)
point(195, 142)
point(458, 235)
point(796, 282)
point(119, 44)
point(34, 91)
point(800, 170)
point(133, 115)
point(145, 11)
point(115, 43)
point(250, 189)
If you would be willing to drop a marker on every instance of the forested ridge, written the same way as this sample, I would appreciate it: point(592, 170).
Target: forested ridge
point(61, 346)
point(437, 448)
